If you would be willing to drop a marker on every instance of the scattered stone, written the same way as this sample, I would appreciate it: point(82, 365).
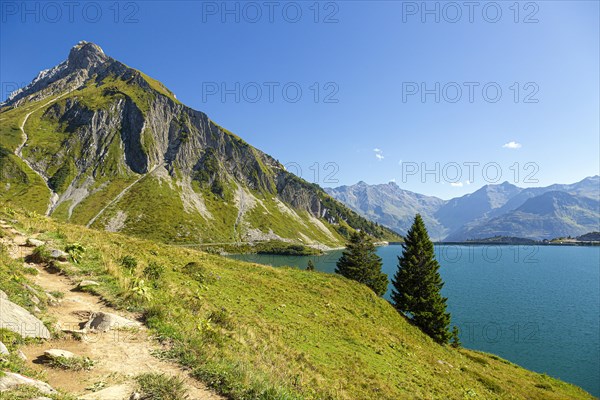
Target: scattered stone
point(56, 353)
point(30, 289)
point(53, 301)
point(3, 349)
point(33, 294)
point(122, 391)
point(21, 355)
point(17, 319)
point(103, 322)
point(34, 299)
point(75, 331)
point(58, 255)
point(36, 310)
point(442, 362)
point(84, 284)
point(42, 398)
point(135, 396)
point(11, 380)
point(31, 242)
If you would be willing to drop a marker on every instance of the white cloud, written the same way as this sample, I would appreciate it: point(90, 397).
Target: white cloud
point(378, 154)
point(393, 180)
point(512, 145)
point(460, 184)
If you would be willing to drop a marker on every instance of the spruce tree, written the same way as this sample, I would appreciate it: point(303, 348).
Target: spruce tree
point(417, 284)
point(360, 263)
point(455, 339)
point(310, 266)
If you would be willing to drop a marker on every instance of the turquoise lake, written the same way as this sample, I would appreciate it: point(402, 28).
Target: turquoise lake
point(537, 306)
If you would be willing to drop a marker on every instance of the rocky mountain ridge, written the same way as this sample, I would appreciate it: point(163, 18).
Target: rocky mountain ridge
point(120, 152)
point(493, 210)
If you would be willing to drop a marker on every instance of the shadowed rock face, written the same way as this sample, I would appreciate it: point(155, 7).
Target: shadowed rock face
point(114, 122)
point(177, 135)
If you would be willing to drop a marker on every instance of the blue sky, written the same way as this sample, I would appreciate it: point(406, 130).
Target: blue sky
point(362, 68)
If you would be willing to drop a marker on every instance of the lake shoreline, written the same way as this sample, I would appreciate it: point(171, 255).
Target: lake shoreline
point(513, 301)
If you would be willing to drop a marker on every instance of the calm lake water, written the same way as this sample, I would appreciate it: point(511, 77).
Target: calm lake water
point(538, 307)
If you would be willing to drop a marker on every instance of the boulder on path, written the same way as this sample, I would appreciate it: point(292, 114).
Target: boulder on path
point(86, 283)
point(59, 255)
point(11, 380)
point(31, 242)
point(17, 319)
point(103, 322)
point(56, 353)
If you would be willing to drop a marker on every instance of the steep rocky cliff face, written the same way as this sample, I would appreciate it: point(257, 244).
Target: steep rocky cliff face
point(96, 142)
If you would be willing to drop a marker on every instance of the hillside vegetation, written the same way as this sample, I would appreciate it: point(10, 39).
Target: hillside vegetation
point(256, 332)
point(97, 143)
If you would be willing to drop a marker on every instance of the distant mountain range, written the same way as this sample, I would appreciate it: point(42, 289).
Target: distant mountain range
point(493, 210)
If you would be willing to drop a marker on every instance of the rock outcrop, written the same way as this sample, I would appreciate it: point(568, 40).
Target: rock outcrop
point(117, 125)
point(103, 322)
point(17, 319)
point(10, 381)
point(57, 353)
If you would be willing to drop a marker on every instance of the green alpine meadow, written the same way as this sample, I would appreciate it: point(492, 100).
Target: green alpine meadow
point(253, 331)
point(185, 213)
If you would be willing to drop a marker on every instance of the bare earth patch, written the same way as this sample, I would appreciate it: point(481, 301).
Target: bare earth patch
point(119, 355)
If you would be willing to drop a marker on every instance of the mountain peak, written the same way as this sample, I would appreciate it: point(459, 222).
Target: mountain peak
point(85, 55)
point(85, 59)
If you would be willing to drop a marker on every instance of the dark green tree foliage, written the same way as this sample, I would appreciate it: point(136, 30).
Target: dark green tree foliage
point(360, 263)
point(310, 266)
point(455, 339)
point(417, 284)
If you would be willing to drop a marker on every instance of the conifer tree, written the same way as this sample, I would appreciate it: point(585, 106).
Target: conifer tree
point(310, 266)
point(417, 284)
point(455, 339)
point(360, 263)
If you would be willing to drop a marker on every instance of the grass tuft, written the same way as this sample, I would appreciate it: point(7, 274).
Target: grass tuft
point(155, 386)
point(72, 364)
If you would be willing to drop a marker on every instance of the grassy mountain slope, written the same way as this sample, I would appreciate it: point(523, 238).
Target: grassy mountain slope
point(252, 331)
point(116, 150)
